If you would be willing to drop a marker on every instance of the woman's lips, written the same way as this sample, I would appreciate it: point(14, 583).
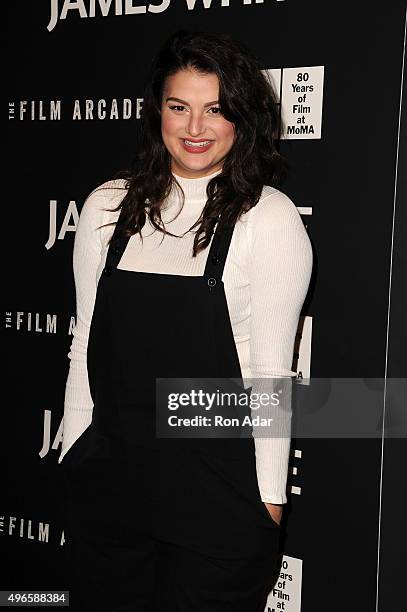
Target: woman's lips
point(197, 149)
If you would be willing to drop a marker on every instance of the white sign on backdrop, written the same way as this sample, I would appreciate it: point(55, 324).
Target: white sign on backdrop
point(301, 108)
point(286, 594)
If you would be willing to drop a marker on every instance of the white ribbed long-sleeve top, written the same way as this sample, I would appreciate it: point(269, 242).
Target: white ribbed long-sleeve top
point(266, 278)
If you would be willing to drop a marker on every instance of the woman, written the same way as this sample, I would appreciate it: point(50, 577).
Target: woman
point(207, 282)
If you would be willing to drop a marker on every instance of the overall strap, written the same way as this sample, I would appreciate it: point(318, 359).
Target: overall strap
point(218, 251)
point(116, 248)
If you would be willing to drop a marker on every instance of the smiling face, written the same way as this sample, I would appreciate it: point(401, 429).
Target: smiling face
point(190, 111)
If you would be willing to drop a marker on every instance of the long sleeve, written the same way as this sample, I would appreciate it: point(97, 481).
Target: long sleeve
point(280, 270)
point(87, 256)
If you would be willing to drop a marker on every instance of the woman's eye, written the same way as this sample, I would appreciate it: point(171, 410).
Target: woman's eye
point(213, 108)
point(176, 107)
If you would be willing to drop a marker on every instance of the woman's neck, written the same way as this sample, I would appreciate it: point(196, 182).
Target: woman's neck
point(193, 188)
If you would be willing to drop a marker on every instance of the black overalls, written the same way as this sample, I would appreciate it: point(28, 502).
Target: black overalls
point(153, 523)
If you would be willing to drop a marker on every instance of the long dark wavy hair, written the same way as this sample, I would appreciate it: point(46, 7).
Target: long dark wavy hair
point(247, 99)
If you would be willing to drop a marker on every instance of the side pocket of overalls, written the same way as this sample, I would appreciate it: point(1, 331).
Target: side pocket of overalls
point(234, 462)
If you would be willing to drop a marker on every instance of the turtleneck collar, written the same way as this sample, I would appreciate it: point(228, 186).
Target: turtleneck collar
point(194, 188)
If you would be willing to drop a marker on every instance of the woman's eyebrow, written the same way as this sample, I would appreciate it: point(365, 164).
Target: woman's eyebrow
point(184, 102)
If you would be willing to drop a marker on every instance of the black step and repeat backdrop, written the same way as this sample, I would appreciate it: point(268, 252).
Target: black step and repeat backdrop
point(75, 72)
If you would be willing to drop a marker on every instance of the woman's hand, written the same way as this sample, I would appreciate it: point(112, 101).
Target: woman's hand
point(275, 510)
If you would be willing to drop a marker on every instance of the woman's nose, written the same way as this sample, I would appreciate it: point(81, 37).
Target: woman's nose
point(196, 125)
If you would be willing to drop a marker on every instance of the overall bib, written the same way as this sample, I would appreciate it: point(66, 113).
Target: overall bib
point(157, 523)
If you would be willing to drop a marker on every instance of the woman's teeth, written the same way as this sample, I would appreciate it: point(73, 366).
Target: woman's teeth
point(197, 144)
